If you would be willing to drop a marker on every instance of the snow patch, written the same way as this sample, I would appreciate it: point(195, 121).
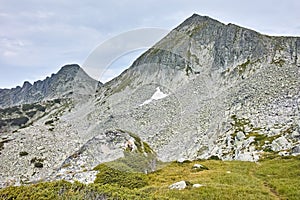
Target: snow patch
point(156, 96)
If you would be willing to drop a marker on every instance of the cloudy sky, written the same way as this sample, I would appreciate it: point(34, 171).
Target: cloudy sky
point(38, 37)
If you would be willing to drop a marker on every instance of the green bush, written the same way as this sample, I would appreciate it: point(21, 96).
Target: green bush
point(31, 113)
point(10, 110)
point(40, 108)
point(213, 158)
point(57, 100)
point(49, 122)
point(38, 165)
point(23, 153)
point(19, 121)
point(109, 175)
point(27, 107)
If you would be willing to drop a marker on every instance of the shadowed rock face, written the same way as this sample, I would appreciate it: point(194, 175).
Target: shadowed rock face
point(223, 45)
point(69, 80)
point(225, 91)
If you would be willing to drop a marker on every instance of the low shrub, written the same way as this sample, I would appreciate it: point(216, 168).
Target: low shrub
point(19, 121)
point(38, 165)
point(23, 153)
point(40, 108)
point(49, 122)
point(27, 107)
point(31, 113)
point(213, 158)
point(109, 175)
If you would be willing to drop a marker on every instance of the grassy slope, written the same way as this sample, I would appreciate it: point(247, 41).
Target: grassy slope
point(275, 178)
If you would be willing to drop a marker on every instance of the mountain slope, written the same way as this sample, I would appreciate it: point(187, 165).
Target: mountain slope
point(226, 86)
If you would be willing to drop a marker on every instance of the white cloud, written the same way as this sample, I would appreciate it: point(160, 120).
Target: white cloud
point(9, 54)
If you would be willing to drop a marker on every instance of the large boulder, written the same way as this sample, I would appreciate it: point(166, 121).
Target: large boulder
point(280, 143)
point(199, 167)
point(178, 186)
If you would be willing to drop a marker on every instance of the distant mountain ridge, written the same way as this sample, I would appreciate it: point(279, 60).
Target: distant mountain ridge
point(69, 79)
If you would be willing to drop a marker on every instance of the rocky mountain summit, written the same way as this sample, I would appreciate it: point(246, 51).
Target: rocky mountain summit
point(223, 81)
point(205, 90)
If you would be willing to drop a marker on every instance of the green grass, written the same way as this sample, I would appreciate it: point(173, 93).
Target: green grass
point(110, 175)
point(276, 178)
point(282, 175)
point(219, 183)
point(65, 190)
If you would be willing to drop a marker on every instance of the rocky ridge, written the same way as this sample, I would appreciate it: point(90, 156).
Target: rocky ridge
point(71, 81)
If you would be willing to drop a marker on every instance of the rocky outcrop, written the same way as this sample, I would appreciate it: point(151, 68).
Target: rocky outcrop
point(199, 167)
point(183, 185)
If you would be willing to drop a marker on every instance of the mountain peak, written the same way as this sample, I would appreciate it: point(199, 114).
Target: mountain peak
point(26, 84)
point(68, 80)
point(196, 19)
point(197, 16)
point(69, 68)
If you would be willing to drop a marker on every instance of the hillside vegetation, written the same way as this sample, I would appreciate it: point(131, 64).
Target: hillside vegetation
point(271, 178)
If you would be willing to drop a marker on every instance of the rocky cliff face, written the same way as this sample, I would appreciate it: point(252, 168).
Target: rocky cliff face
point(206, 89)
point(70, 81)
